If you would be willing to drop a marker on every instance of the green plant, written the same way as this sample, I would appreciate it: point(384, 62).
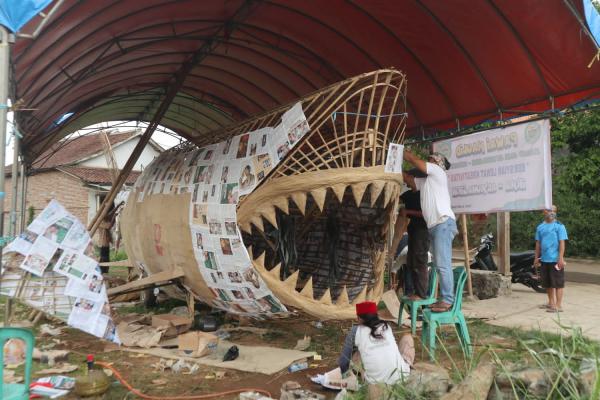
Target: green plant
point(30, 215)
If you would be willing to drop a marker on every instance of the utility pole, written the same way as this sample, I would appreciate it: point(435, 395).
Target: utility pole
point(4, 86)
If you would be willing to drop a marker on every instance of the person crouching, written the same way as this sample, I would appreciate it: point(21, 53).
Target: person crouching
point(382, 361)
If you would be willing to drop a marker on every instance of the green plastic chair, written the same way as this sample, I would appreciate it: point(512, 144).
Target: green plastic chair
point(415, 305)
point(454, 316)
point(16, 391)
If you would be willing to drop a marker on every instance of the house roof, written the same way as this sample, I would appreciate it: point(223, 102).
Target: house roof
point(98, 176)
point(466, 61)
point(72, 151)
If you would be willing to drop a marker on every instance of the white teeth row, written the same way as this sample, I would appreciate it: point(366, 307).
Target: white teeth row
point(307, 291)
point(268, 212)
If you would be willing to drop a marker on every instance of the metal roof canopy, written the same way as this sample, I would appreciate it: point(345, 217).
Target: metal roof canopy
point(466, 60)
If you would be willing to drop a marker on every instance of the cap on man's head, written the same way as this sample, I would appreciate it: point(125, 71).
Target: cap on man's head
point(440, 160)
point(366, 307)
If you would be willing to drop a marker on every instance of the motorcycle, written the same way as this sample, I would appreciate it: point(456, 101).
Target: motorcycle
point(521, 264)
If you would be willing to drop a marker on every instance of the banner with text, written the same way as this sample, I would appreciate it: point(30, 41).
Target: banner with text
point(502, 169)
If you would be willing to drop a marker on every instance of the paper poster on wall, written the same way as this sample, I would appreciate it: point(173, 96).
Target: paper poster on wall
point(502, 169)
point(393, 162)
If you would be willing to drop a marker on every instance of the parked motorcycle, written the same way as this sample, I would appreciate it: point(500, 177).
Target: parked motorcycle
point(521, 264)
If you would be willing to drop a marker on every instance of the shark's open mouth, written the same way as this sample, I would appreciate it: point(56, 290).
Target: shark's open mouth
point(320, 241)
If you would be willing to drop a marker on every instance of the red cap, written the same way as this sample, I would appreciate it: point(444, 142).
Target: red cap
point(366, 307)
point(90, 358)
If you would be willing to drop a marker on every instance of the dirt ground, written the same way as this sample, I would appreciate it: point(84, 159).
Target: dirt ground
point(327, 341)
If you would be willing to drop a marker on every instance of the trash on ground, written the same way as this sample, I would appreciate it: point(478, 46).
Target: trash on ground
point(159, 382)
point(232, 354)
point(47, 329)
point(317, 357)
point(335, 380)
point(139, 335)
point(46, 390)
point(50, 357)
point(9, 377)
point(298, 365)
point(197, 344)
point(61, 368)
point(58, 381)
point(303, 344)
point(254, 396)
point(291, 390)
point(172, 325)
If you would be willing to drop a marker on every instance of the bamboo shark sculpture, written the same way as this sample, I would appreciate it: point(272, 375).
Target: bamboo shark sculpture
point(305, 184)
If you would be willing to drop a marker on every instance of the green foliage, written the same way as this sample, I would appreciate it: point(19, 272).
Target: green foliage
point(118, 255)
point(30, 215)
point(576, 185)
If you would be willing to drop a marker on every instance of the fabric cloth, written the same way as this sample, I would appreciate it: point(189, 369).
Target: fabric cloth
point(366, 307)
point(551, 277)
point(435, 197)
point(14, 14)
point(381, 358)
point(104, 236)
point(441, 237)
point(417, 257)
point(549, 234)
point(412, 201)
point(347, 350)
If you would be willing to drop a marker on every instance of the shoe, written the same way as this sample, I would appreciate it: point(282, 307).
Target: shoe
point(231, 354)
point(441, 307)
point(544, 306)
point(554, 310)
point(414, 297)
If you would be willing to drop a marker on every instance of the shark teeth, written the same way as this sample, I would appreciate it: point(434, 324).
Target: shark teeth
point(358, 191)
point(362, 296)
point(319, 196)
point(343, 299)
point(271, 216)
point(326, 298)
point(376, 189)
point(300, 199)
point(339, 191)
point(292, 280)
point(307, 290)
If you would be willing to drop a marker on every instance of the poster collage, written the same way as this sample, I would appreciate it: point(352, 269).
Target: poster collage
point(66, 280)
point(216, 176)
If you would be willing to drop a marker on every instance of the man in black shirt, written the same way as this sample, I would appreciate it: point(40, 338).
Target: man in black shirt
point(418, 242)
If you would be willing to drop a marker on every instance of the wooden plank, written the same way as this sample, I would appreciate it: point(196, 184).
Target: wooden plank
point(164, 276)
point(122, 263)
point(503, 226)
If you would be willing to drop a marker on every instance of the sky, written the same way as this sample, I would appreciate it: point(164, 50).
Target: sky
point(166, 140)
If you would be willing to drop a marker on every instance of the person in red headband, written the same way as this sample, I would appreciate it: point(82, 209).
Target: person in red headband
point(382, 361)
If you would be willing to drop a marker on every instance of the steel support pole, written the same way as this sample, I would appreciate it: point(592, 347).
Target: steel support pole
point(23, 198)
point(12, 227)
point(4, 87)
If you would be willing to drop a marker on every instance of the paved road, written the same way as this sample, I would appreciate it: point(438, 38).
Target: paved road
point(577, 269)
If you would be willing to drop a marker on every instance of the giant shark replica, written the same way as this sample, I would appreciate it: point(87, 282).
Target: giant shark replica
point(291, 208)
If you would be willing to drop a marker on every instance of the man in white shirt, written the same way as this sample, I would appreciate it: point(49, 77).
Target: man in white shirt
point(441, 221)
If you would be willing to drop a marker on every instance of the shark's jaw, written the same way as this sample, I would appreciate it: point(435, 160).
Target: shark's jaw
point(319, 239)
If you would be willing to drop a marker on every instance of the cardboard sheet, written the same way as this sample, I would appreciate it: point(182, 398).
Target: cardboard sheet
point(261, 359)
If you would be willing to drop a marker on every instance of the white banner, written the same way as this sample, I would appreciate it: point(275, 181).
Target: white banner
point(502, 169)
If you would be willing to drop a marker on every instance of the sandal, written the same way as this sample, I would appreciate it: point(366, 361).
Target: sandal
point(414, 297)
point(545, 307)
point(441, 307)
point(556, 310)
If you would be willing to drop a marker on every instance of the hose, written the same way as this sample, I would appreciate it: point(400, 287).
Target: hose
point(195, 397)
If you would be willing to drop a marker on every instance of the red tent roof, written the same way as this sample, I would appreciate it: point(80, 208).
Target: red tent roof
point(466, 60)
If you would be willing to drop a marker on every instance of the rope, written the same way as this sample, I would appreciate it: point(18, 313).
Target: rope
point(195, 397)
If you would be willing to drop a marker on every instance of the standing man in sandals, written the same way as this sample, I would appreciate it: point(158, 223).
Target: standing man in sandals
point(441, 221)
point(550, 238)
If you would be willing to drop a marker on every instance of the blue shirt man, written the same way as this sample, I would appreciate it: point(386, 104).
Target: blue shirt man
point(550, 237)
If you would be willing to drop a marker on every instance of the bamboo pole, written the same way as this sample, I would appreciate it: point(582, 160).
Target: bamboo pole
point(465, 236)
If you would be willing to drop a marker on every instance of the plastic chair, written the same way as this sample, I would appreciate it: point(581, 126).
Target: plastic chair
point(16, 391)
point(454, 316)
point(415, 305)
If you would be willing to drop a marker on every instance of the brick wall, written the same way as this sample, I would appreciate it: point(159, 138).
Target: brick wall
point(45, 186)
